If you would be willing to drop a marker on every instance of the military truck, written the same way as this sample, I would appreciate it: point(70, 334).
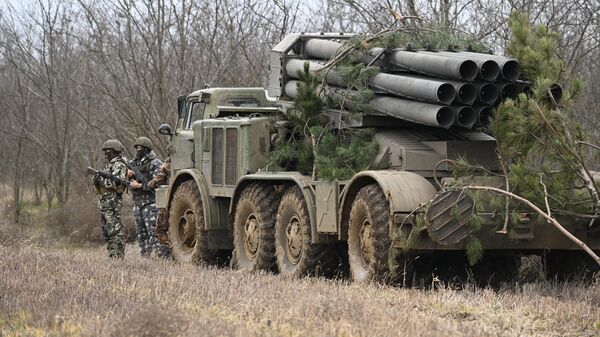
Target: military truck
point(225, 201)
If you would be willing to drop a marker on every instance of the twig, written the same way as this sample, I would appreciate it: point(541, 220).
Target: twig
point(548, 218)
point(504, 229)
point(579, 215)
point(579, 143)
point(350, 49)
point(589, 144)
point(545, 194)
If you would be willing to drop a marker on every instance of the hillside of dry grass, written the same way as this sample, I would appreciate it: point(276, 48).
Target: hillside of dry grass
point(49, 289)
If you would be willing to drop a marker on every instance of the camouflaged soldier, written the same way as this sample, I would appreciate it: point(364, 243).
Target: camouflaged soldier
point(143, 168)
point(162, 221)
point(111, 198)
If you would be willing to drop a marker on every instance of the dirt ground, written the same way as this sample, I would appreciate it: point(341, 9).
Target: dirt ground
point(64, 290)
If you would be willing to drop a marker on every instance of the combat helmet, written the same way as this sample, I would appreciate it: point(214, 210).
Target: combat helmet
point(112, 144)
point(143, 141)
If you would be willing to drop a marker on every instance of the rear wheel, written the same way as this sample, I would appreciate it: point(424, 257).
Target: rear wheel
point(368, 236)
point(296, 255)
point(186, 226)
point(254, 228)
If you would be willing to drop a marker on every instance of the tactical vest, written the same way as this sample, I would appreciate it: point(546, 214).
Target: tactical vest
point(119, 189)
point(146, 169)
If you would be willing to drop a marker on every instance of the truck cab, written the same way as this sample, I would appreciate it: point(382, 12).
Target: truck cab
point(221, 134)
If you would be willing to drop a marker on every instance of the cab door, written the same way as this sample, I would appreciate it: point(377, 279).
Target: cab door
point(183, 139)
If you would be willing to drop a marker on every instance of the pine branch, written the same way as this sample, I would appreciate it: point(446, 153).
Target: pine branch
point(546, 216)
point(579, 166)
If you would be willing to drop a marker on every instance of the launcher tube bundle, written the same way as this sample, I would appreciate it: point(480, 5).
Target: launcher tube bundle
point(437, 88)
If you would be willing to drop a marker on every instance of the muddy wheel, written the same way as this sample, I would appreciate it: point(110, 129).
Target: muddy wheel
point(254, 228)
point(186, 226)
point(296, 255)
point(368, 237)
point(568, 265)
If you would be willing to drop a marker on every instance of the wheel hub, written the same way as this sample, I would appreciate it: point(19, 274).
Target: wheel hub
point(294, 240)
point(187, 229)
point(251, 232)
point(365, 237)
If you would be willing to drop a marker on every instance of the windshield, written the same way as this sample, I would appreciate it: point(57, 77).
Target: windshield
point(196, 112)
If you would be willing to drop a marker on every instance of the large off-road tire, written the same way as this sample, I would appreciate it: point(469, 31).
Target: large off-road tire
point(296, 255)
point(254, 228)
point(186, 226)
point(569, 265)
point(368, 236)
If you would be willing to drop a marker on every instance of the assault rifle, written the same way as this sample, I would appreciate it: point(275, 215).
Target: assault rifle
point(139, 177)
point(107, 175)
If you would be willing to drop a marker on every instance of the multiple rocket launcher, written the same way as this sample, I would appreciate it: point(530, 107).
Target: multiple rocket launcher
point(437, 88)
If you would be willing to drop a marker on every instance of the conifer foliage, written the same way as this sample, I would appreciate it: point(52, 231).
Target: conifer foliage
point(537, 144)
point(312, 148)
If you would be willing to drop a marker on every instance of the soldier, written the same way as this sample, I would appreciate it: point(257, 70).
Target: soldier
point(162, 220)
point(142, 169)
point(111, 197)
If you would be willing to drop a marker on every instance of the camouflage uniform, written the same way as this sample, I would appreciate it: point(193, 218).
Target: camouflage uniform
point(162, 221)
point(144, 206)
point(110, 203)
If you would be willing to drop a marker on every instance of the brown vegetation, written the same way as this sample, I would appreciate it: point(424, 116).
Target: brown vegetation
point(60, 290)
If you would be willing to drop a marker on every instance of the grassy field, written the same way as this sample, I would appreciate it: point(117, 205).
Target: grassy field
point(49, 289)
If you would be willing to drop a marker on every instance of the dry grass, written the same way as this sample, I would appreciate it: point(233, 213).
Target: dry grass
point(52, 291)
point(75, 223)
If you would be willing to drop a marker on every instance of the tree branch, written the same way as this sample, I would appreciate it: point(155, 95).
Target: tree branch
point(546, 216)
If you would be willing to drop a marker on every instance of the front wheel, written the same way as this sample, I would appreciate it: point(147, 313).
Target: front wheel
point(186, 226)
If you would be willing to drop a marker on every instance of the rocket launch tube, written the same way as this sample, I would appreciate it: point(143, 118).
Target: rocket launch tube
point(427, 63)
point(509, 68)
point(414, 111)
point(484, 114)
point(422, 89)
point(466, 116)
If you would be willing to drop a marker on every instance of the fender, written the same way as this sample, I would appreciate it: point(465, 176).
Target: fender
point(209, 206)
point(289, 178)
point(404, 190)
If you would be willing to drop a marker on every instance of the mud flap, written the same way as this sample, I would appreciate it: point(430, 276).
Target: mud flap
point(448, 216)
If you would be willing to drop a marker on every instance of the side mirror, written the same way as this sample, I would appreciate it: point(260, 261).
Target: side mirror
point(181, 106)
point(165, 129)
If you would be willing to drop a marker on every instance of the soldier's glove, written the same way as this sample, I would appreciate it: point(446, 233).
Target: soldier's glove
point(97, 180)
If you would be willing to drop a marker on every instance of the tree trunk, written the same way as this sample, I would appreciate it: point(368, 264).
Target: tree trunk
point(17, 196)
